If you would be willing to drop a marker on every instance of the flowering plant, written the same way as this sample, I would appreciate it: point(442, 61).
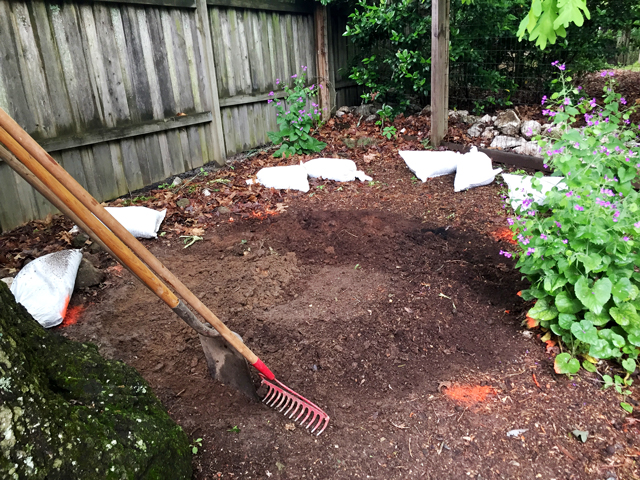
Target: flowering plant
point(580, 249)
point(297, 113)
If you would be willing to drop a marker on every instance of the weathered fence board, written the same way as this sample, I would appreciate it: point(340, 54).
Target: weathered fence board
point(102, 83)
point(253, 50)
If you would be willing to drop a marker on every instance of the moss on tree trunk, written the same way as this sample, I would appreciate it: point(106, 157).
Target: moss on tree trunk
point(67, 413)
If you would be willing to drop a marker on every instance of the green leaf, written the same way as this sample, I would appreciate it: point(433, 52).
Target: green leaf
point(625, 314)
point(627, 407)
point(554, 281)
point(629, 365)
point(585, 331)
point(624, 290)
point(557, 329)
point(543, 311)
point(598, 320)
point(589, 367)
point(612, 337)
point(593, 297)
point(565, 364)
point(591, 262)
point(565, 320)
point(567, 304)
point(602, 349)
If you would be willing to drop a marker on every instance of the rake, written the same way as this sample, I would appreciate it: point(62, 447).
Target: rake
point(55, 184)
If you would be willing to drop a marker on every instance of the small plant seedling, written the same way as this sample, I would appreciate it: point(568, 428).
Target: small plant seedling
point(190, 240)
point(320, 187)
point(164, 186)
point(197, 443)
point(203, 172)
point(389, 132)
point(243, 241)
point(357, 266)
point(234, 429)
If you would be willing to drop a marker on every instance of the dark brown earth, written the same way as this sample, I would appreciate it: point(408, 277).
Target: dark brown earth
point(375, 300)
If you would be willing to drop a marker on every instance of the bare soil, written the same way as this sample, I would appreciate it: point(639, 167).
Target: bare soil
point(376, 301)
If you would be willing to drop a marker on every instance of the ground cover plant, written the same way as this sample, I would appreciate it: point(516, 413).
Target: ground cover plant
point(580, 249)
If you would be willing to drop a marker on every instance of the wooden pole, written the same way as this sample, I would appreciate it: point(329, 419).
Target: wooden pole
point(439, 70)
point(322, 60)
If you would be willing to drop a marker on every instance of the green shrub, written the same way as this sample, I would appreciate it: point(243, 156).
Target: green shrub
point(580, 249)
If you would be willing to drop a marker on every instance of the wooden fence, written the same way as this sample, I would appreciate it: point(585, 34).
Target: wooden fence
point(127, 93)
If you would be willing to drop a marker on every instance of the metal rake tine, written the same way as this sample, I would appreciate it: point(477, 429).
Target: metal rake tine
point(294, 403)
point(298, 406)
point(282, 401)
point(286, 404)
point(277, 397)
point(314, 415)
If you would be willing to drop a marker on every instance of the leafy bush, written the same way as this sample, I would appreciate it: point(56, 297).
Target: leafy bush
point(487, 63)
point(580, 249)
point(297, 113)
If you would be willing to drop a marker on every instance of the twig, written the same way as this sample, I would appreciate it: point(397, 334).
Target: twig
point(350, 233)
point(410, 454)
point(181, 392)
point(440, 449)
point(517, 373)
point(465, 409)
point(401, 426)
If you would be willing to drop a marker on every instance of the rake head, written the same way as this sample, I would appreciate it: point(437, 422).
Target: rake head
point(285, 400)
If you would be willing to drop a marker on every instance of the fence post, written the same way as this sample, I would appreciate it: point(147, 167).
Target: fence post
point(217, 135)
point(439, 70)
point(322, 62)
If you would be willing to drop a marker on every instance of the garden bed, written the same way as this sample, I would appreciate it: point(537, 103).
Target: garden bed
point(375, 300)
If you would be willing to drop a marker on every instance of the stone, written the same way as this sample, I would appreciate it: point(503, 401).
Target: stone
point(426, 110)
point(88, 275)
point(95, 248)
point(508, 122)
point(364, 110)
point(183, 203)
point(79, 240)
point(530, 128)
point(176, 181)
point(371, 118)
point(476, 130)
point(486, 119)
point(460, 115)
point(471, 119)
point(489, 133)
point(504, 141)
point(206, 192)
point(552, 130)
point(339, 114)
point(66, 412)
point(224, 210)
point(529, 148)
point(344, 109)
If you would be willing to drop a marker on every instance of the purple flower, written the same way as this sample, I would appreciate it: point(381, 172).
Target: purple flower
point(271, 93)
point(277, 81)
point(579, 208)
point(545, 165)
point(530, 250)
point(637, 224)
point(269, 101)
point(569, 193)
point(543, 236)
point(592, 102)
point(565, 241)
point(625, 239)
point(558, 224)
point(567, 101)
point(510, 221)
point(506, 254)
point(561, 67)
point(623, 101)
point(295, 75)
point(544, 99)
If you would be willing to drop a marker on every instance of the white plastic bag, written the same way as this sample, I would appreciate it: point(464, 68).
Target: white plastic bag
point(428, 164)
point(338, 169)
point(520, 187)
point(292, 177)
point(474, 170)
point(45, 285)
point(142, 222)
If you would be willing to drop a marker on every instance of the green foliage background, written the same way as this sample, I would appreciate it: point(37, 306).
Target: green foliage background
point(488, 63)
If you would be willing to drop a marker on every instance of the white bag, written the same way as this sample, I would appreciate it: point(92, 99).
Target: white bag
point(474, 170)
point(142, 222)
point(292, 177)
point(428, 164)
point(520, 187)
point(45, 285)
point(338, 169)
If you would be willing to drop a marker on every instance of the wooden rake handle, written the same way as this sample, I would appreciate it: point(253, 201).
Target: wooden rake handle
point(115, 237)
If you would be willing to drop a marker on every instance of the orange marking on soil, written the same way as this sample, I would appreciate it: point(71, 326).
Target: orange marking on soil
point(468, 394)
point(550, 345)
point(519, 293)
point(263, 215)
point(503, 234)
point(531, 322)
point(63, 313)
point(72, 316)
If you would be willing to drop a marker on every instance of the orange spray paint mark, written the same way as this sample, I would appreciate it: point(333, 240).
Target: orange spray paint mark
point(262, 215)
point(503, 233)
point(531, 322)
point(63, 313)
point(72, 315)
point(469, 395)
